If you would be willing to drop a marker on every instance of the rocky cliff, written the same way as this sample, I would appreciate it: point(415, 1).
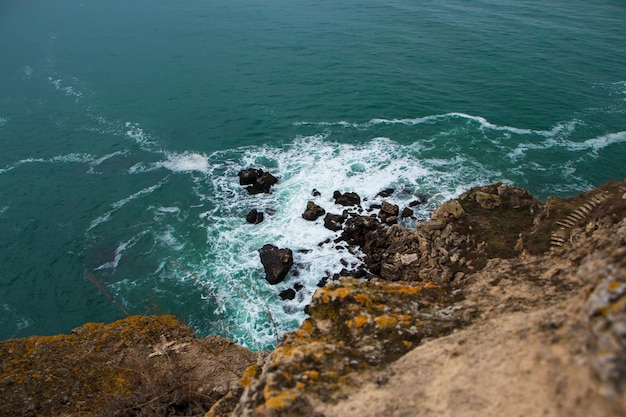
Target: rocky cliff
point(499, 305)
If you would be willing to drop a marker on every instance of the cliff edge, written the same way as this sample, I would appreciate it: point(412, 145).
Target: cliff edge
point(498, 305)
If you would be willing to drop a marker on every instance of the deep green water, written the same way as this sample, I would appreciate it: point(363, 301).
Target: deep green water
point(123, 125)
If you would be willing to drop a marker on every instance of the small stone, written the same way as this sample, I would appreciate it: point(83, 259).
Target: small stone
point(409, 258)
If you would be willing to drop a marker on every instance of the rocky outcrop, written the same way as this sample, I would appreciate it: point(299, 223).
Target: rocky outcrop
point(257, 180)
point(498, 305)
point(347, 199)
point(276, 262)
point(520, 333)
point(313, 211)
point(254, 216)
point(135, 366)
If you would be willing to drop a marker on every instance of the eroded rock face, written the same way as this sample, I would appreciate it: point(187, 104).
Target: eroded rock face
point(276, 262)
point(139, 365)
point(354, 326)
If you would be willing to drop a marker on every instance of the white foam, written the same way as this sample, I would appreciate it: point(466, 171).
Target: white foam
point(136, 133)
point(119, 251)
point(186, 162)
point(481, 121)
point(232, 268)
point(121, 203)
point(4, 121)
point(594, 144)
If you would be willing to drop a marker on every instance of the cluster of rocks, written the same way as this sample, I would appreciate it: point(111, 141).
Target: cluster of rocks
point(278, 261)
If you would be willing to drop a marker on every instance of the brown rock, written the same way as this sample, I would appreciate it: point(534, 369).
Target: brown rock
point(450, 210)
point(313, 211)
point(488, 201)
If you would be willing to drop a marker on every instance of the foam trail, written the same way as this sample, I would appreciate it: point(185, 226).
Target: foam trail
point(121, 203)
point(432, 119)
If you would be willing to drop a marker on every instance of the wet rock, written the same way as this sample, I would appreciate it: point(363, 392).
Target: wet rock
point(315, 193)
point(385, 193)
point(249, 176)
point(347, 199)
point(406, 212)
point(257, 180)
point(420, 199)
point(388, 213)
point(334, 222)
point(288, 294)
point(276, 262)
point(254, 216)
point(313, 211)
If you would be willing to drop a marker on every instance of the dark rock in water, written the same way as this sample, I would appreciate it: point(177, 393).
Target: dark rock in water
point(254, 217)
point(334, 222)
point(323, 281)
point(307, 309)
point(376, 206)
point(406, 212)
point(257, 180)
point(270, 211)
point(297, 286)
point(347, 199)
point(249, 176)
point(420, 199)
point(276, 262)
point(386, 192)
point(288, 294)
point(315, 193)
point(313, 211)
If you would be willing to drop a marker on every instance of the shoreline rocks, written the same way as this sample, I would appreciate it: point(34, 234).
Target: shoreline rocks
point(276, 263)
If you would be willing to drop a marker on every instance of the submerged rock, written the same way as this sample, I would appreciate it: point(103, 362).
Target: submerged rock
point(276, 262)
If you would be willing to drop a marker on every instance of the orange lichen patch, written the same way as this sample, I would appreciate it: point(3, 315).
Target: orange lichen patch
point(408, 345)
point(248, 375)
point(281, 400)
point(328, 295)
point(311, 375)
point(386, 321)
point(358, 321)
point(363, 299)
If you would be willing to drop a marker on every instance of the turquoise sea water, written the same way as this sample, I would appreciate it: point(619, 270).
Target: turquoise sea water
point(123, 125)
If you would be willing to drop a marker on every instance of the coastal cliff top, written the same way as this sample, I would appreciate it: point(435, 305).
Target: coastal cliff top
point(499, 305)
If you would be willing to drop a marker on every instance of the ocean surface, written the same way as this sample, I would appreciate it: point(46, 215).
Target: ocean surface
point(123, 125)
